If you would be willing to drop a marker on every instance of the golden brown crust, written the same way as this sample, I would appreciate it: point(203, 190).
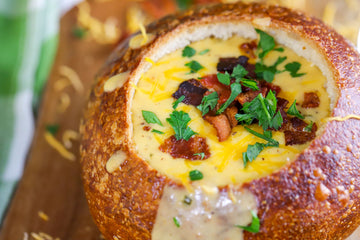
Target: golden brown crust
point(290, 202)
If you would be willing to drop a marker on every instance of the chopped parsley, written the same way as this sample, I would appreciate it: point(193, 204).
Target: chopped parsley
point(184, 4)
point(79, 32)
point(151, 117)
point(293, 111)
point(224, 78)
point(268, 72)
point(179, 120)
point(239, 72)
point(194, 66)
point(253, 151)
point(157, 131)
point(252, 84)
point(53, 128)
point(208, 103)
point(235, 91)
point(204, 51)
point(188, 52)
point(187, 200)
point(195, 175)
point(309, 127)
point(254, 226)
point(266, 44)
point(179, 100)
point(262, 109)
point(176, 221)
point(202, 155)
point(293, 69)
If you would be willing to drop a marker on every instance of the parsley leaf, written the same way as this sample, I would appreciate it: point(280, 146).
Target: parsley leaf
point(293, 111)
point(268, 72)
point(267, 136)
point(262, 109)
point(252, 152)
point(176, 221)
point(252, 84)
point(202, 155)
point(266, 43)
point(188, 52)
point(179, 100)
point(239, 72)
point(178, 121)
point(204, 51)
point(254, 226)
point(79, 32)
point(184, 4)
point(194, 66)
point(247, 118)
point(309, 127)
point(293, 68)
point(157, 131)
point(151, 117)
point(208, 103)
point(195, 175)
point(235, 91)
point(53, 129)
point(224, 78)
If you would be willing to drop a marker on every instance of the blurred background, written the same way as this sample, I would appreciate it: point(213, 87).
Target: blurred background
point(50, 51)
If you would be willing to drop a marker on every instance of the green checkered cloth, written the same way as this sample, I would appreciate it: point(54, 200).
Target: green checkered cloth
point(28, 40)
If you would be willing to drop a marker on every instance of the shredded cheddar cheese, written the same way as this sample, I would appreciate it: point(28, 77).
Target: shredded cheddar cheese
point(68, 136)
point(64, 102)
point(43, 216)
point(73, 77)
point(58, 146)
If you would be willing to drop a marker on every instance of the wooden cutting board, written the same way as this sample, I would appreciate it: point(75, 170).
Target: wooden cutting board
point(52, 184)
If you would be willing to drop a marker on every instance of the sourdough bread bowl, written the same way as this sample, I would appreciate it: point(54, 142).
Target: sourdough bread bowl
point(146, 178)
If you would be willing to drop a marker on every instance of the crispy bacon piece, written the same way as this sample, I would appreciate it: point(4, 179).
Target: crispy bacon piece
point(221, 124)
point(186, 149)
point(296, 133)
point(311, 100)
point(230, 113)
point(211, 82)
point(250, 95)
point(281, 105)
point(249, 48)
point(193, 91)
point(228, 64)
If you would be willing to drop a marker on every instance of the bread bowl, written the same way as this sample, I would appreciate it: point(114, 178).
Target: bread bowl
point(136, 185)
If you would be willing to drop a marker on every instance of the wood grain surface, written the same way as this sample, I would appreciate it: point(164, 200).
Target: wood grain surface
point(50, 183)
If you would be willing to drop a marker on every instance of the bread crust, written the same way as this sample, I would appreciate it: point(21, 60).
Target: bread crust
point(124, 203)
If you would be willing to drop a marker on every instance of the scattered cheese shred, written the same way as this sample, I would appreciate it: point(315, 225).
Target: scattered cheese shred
point(61, 84)
point(134, 15)
point(43, 216)
point(68, 136)
point(26, 236)
point(58, 146)
point(341, 119)
point(73, 77)
point(329, 13)
point(64, 102)
point(42, 236)
point(104, 33)
point(149, 60)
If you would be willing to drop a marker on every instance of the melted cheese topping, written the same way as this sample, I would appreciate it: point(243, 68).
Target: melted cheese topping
point(225, 166)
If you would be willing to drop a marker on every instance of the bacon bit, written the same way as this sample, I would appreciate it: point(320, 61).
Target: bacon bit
point(146, 128)
point(311, 100)
point(221, 124)
point(43, 216)
point(193, 91)
point(73, 77)
point(186, 149)
point(249, 48)
point(58, 146)
point(295, 133)
point(228, 64)
point(250, 95)
point(230, 113)
point(211, 82)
